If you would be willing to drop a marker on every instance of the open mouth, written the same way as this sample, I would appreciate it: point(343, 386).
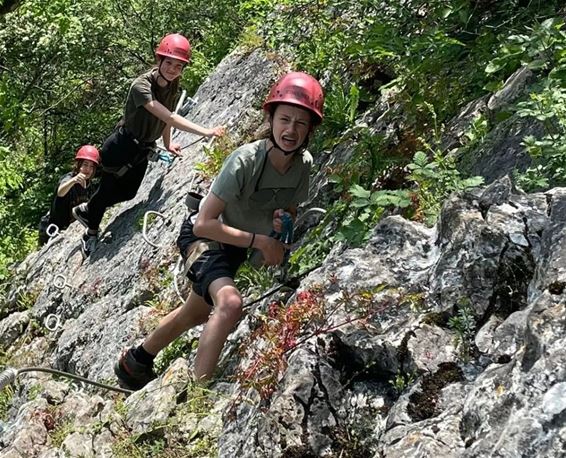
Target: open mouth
point(288, 142)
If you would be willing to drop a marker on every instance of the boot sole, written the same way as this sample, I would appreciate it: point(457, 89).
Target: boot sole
point(81, 220)
point(125, 380)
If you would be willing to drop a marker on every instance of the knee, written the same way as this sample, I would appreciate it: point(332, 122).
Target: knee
point(230, 305)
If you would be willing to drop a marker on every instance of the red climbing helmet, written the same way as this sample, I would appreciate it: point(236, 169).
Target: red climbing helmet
point(176, 46)
point(298, 88)
point(88, 152)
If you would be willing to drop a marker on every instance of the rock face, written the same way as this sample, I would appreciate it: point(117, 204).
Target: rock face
point(495, 253)
point(501, 151)
point(447, 341)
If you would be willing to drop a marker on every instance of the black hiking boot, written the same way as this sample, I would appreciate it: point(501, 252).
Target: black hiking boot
point(132, 374)
point(80, 212)
point(88, 243)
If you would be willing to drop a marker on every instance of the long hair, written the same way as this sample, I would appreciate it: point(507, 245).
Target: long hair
point(77, 168)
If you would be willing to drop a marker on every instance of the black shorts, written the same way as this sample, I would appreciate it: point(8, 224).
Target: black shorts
point(212, 264)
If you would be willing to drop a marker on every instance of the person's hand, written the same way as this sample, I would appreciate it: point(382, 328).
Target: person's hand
point(277, 221)
point(273, 251)
point(80, 178)
point(217, 131)
point(174, 148)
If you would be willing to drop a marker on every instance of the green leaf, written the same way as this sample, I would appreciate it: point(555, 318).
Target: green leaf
point(357, 191)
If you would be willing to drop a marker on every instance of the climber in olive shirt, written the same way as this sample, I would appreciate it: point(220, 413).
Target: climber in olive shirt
point(147, 117)
point(258, 183)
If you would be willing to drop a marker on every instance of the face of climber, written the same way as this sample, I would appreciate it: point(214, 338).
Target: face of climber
point(87, 168)
point(171, 68)
point(291, 126)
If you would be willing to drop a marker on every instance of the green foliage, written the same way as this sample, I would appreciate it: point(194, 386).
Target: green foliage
point(366, 209)
point(542, 48)
point(439, 54)
point(60, 432)
point(537, 48)
point(6, 396)
point(464, 324)
point(402, 381)
point(435, 180)
point(53, 99)
point(340, 108)
point(310, 254)
point(254, 281)
point(26, 299)
point(316, 246)
point(215, 155)
point(128, 447)
point(265, 349)
point(180, 348)
point(549, 152)
point(476, 132)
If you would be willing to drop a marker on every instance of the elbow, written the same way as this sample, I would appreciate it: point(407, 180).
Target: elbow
point(172, 120)
point(198, 227)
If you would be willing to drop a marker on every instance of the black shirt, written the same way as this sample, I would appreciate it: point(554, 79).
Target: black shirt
point(60, 213)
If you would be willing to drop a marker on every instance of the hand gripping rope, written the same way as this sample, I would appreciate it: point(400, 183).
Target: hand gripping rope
point(286, 234)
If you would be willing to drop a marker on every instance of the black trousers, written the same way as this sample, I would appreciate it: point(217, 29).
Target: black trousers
point(118, 150)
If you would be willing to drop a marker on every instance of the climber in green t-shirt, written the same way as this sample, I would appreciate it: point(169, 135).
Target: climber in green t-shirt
point(259, 185)
point(147, 116)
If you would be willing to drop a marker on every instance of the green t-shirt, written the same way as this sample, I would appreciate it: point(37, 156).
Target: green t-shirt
point(252, 189)
point(140, 122)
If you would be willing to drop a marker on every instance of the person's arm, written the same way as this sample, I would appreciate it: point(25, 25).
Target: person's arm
point(173, 148)
point(174, 120)
point(209, 226)
point(65, 187)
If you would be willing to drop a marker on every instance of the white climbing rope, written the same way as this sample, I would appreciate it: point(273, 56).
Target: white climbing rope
point(144, 229)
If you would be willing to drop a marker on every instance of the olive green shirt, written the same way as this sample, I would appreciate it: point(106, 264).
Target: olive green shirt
point(252, 189)
point(144, 126)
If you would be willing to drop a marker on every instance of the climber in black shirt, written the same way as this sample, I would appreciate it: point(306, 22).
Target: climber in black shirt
point(74, 188)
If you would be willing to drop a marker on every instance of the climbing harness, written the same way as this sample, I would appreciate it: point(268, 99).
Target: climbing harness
point(9, 375)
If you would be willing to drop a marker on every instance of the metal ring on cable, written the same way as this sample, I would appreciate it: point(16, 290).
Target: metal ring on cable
point(144, 229)
point(52, 230)
point(55, 326)
point(59, 281)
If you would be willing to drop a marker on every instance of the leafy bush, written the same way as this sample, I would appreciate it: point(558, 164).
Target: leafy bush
point(435, 180)
point(464, 324)
point(366, 208)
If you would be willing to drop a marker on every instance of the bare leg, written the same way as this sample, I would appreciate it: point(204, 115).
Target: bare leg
point(227, 312)
point(193, 312)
